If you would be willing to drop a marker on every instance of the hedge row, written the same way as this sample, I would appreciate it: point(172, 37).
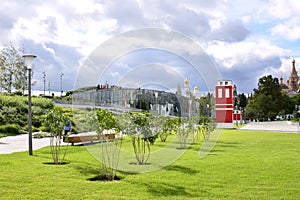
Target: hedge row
point(14, 110)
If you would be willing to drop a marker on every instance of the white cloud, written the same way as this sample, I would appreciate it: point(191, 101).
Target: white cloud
point(238, 54)
point(65, 32)
point(290, 29)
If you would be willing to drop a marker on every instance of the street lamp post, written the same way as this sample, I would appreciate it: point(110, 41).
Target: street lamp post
point(190, 104)
point(49, 88)
point(44, 77)
point(28, 59)
point(61, 88)
point(156, 108)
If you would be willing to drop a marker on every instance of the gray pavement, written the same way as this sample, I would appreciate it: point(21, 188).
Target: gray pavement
point(19, 143)
point(277, 126)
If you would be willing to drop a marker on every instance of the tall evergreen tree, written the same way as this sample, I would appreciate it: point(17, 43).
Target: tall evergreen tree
point(243, 101)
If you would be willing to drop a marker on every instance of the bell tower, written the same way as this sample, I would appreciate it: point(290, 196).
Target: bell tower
point(294, 78)
point(224, 104)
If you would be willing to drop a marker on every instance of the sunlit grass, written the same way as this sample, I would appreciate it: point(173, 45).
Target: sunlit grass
point(242, 165)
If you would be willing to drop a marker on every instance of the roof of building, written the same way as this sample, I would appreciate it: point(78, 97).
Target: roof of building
point(283, 86)
point(186, 81)
point(294, 71)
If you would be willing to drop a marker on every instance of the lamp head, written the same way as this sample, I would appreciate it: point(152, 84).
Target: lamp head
point(28, 59)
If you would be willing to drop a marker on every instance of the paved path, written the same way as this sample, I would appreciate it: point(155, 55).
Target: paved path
point(19, 143)
point(278, 126)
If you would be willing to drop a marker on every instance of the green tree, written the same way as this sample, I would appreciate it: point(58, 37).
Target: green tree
point(242, 101)
point(13, 73)
point(55, 121)
point(139, 126)
point(205, 105)
point(185, 132)
point(169, 125)
point(267, 101)
point(295, 105)
point(102, 120)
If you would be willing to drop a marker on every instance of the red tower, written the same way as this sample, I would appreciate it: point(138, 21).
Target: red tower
point(237, 115)
point(224, 104)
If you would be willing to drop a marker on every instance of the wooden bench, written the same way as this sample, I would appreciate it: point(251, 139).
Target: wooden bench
point(89, 138)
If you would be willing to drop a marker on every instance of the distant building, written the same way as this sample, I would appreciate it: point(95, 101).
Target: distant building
point(161, 102)
point(294, 78)
point(291, 87)
point(284, 86)
point(224, 104)
point(186, 89)
point(196, 92)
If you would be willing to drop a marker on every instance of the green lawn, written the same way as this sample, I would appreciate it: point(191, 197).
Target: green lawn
point(242, 165)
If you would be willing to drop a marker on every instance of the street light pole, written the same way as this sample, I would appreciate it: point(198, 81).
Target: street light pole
point(28, 62)
point(49, 88)
point(156, 113)
point(190, 104)
point(61, 89)
point(44, 77)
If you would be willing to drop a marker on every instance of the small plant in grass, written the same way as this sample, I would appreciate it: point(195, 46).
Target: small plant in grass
point(204, 126)
point(169, 125)
point(185, 131)
point(55, 121)
point(138, 126)
point(102, 121)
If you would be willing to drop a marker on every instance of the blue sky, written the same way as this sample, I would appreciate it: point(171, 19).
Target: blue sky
point(244, 39)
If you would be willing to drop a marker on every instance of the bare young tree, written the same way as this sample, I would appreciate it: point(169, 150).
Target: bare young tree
point(139, 126)
point(55, 120)
point(103, 122)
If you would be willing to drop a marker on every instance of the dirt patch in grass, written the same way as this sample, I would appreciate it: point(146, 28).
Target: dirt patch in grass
point(103, 178)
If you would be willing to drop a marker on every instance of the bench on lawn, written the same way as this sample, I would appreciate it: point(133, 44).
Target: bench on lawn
point(89, 137)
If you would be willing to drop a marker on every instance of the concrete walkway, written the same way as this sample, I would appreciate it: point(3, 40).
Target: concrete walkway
point(19, 143)
point(276, 126)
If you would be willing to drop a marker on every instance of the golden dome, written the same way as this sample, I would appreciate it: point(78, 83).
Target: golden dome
point(196, 88)
point(186, 81)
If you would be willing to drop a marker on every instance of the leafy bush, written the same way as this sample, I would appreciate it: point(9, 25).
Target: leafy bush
point(55, 120)
point(41, 134)
point(42, 103)
point(14, 110)
point(10, 128)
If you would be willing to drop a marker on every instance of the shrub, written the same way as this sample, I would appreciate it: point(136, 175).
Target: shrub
point(55, 120)
point(10, 128)
point(42, 103)
point(14, 110)
point(41, 134)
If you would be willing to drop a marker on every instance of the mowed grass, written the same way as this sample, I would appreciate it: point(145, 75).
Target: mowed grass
point(242, 165)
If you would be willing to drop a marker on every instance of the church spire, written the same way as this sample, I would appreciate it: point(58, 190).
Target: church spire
point(294, 68)
point(294, 78)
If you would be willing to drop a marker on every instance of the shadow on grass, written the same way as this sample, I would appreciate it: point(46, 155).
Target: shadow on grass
point(228, 144)
point(59, 163)
point(181, 169)
point(219, 148)
point(164, 189)
point(87, 168)
point(103, 178)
